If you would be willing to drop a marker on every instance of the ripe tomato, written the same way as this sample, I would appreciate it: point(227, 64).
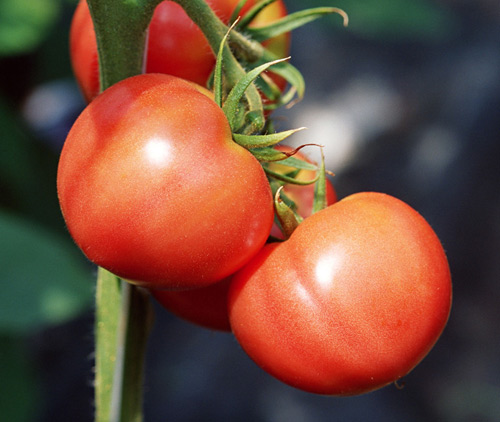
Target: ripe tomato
point(153, 188)
point(301, 195)
point(206, 306)
point(176, 45)
point(352, 301)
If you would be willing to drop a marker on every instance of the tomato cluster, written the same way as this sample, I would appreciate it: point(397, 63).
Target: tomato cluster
point(153, 188)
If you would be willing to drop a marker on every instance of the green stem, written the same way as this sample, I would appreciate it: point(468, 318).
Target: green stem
point(215, 30)
point(123, 319)
point(123, 311)
point(133, 331)
point(108, 303)
point(121, 33)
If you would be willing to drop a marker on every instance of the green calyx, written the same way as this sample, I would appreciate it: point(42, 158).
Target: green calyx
point(261, 141)
point(247, 52)
point(233, 100)
point(240, 80)
point(285, 209)
point(293, 21)
point(320, 187)
point(288, 219)
point(252, 13)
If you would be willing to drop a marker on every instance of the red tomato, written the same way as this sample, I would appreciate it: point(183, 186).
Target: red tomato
point(301, 195)
point(153, 188)
point(176, 45)
point(206, 306)
point(352, 301)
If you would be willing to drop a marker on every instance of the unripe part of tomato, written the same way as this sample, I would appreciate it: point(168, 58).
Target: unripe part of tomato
point(176, 46)
point(153, 188)
point(351, 302)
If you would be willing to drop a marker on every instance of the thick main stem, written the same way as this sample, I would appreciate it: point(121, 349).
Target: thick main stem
point(121, 33)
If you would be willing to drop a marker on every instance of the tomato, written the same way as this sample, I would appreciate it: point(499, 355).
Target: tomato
point(176, 45)
point(301, 195)
point(153, 188)
point(352, 301)
point(206, 306)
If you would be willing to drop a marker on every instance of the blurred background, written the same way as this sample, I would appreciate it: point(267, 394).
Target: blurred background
point(406, 101)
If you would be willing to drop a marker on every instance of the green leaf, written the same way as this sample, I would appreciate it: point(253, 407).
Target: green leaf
point(218, 70)
point(253, 12)
point(24, 24)
point(260, 141)
point(288, 179)
point(291, 22)
point(232, 103)
point(236, 11)
point(319, 202)
point(287, 218)
point(269, 89)
point(254, 121)
point(287, 159)
point(299, 164)
point(20, 396)
point(43, 280)
point(275, 186)
point(27, 171)
point(292, 76)
point(268, 154)
point(17, 155)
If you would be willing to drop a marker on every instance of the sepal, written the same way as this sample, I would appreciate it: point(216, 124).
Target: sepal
point(253, 12)
point(320, 202)
point(288, 219)
point(261, 141)
point(293, 21)
point(232, 102)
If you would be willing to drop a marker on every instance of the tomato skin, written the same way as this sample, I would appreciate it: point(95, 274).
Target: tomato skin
point(206, 306)
point(153, 188)
point(352, 301)
point(176, 46)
